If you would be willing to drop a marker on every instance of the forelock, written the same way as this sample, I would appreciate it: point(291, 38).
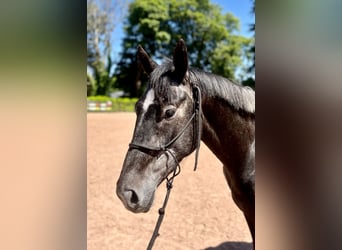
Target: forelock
point(160, 79)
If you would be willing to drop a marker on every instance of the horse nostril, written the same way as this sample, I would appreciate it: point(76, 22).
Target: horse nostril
point(134, 197)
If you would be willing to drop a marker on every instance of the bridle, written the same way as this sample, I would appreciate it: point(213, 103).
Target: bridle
point(164, 149)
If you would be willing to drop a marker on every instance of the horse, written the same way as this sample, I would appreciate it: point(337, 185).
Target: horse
point(180, 107)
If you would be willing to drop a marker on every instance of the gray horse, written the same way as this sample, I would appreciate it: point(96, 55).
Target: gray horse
point(167, 130)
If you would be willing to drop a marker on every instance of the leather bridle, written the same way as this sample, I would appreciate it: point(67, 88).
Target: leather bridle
point(163, 149)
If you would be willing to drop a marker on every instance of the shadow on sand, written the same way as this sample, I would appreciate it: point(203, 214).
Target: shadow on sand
point(232, 246)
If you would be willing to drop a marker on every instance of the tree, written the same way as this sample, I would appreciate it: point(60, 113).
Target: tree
point(101, 18)
point(251, 81)
point(141, 27)
point(252, 68)
point(157, 25)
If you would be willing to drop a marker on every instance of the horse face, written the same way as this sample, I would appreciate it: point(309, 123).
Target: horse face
point(162, 113)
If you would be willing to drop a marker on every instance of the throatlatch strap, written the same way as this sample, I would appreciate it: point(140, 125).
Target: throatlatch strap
point(198, 120)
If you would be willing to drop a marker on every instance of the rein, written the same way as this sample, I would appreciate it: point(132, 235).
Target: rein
point(152, 150)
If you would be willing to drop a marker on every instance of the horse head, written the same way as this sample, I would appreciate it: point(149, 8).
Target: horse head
point(164, 131)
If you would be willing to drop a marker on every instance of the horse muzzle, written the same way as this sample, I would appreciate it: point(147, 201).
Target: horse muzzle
point(135, 200)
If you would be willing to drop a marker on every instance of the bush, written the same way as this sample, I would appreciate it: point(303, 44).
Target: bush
point(105, 103)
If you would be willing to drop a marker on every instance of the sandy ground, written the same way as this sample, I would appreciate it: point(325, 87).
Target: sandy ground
point(200, 214)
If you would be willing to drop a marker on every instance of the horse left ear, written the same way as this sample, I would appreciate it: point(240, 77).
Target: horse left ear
point(180, 60)
point(147, 63)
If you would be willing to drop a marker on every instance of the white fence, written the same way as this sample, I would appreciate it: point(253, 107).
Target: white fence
point(99, 106)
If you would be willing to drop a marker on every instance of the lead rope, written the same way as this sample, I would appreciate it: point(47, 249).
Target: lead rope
point(198, 121)
point(161, 210)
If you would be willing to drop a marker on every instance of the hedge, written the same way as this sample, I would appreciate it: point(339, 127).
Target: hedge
point(105, 103)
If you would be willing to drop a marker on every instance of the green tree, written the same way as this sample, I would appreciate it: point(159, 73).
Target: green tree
point(251, 81)
point(252, 50)
point(157, 25)
point(143, 26)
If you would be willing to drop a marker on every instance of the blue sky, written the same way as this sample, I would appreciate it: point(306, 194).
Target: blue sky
point(240, 8)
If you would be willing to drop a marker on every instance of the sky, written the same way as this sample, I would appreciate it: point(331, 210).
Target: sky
point(242, 9)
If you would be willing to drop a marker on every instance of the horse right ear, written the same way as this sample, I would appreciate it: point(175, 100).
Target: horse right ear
point(147, 63)
point(180, 60)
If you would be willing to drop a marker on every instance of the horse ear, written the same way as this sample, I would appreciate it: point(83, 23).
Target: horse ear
point(180, 60)
point(147, 63)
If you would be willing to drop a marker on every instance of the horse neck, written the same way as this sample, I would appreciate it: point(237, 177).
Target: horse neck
point(227, 132)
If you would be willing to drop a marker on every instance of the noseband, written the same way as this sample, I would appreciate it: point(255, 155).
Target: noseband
point(157, 151)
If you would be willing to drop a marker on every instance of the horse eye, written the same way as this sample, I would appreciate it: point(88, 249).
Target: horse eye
point(169, 113)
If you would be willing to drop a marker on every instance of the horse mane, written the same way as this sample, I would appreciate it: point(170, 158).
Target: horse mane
point(239, 97)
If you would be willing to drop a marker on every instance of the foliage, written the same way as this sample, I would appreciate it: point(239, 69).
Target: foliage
point(102, 81)
point(251, 81)
point(157, 25)
point(252, 49)
point(101, 18)
point(118, 104)
point(141, 27)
